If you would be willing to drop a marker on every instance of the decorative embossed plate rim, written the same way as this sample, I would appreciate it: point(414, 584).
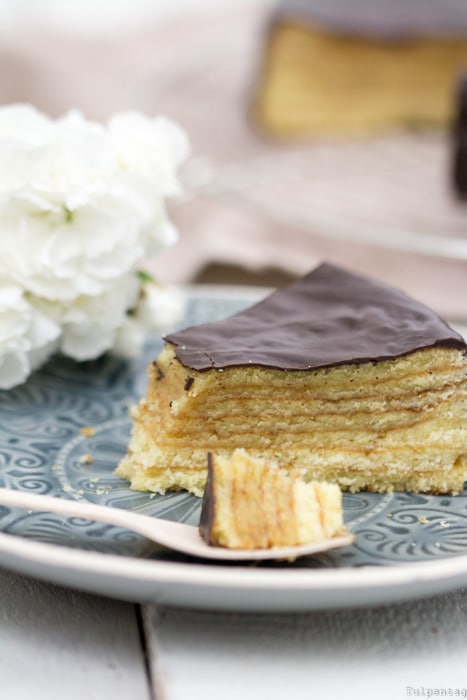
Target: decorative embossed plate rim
point(407, 545)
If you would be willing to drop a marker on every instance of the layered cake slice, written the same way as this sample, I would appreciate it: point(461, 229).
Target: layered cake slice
point(249, 503)
point(338, 375)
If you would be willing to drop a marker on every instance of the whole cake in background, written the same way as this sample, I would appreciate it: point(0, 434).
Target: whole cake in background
point(361, 66)
point(338, 375)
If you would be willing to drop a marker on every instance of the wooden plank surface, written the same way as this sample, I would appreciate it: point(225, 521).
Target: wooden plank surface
point(58, 644)
point(386, 652)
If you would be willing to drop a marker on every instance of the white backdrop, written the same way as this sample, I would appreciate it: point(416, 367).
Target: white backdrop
point(97, 15)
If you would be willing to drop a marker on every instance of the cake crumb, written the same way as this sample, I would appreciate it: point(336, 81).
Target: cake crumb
point(103, 490)
point(423, 520)
point(444, 523)
point(67, 488)
point(388, 515)
point(54, 467)
point(88, 431)
point(86, 459)
point(95, 479)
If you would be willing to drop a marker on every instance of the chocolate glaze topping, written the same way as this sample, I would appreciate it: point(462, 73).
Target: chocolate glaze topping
point(385, 19)
point(329, 317)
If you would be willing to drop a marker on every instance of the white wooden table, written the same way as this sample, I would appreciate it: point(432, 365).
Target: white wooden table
point(60, 644)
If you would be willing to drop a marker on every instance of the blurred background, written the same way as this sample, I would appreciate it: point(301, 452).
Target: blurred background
point(270, 190)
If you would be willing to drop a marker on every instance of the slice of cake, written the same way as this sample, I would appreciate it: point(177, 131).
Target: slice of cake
point(249, 503)
point(360, 66)
point(339, 375)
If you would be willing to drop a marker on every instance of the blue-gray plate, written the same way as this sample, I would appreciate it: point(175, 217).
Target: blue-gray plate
point(407, 545)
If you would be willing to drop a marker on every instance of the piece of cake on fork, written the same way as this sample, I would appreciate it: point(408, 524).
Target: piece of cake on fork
point(338, 375)
point(251, 503)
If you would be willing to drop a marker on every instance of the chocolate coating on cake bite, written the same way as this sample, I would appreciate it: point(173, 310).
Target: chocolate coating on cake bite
point(208, 506)
point(329, 317)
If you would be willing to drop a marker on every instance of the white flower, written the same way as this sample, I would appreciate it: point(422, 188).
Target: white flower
point(152, 148)
point(82, 205)
point(157, 309)
point(73, 215)
point(27, 337)
point(90, 325)
point(159, 305)
point(24, 124)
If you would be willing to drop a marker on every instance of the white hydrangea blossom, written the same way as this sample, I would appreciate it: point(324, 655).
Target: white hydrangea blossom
point(27, 336)
point(156, 309)
point(81, 206)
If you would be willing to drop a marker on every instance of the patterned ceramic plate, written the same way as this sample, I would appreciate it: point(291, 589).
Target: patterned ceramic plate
point(64, 432)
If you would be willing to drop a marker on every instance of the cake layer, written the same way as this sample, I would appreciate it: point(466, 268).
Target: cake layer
point(198, 413)
point(433, 473)
point(312, 77)
point(414, 373)
point(371, 411)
